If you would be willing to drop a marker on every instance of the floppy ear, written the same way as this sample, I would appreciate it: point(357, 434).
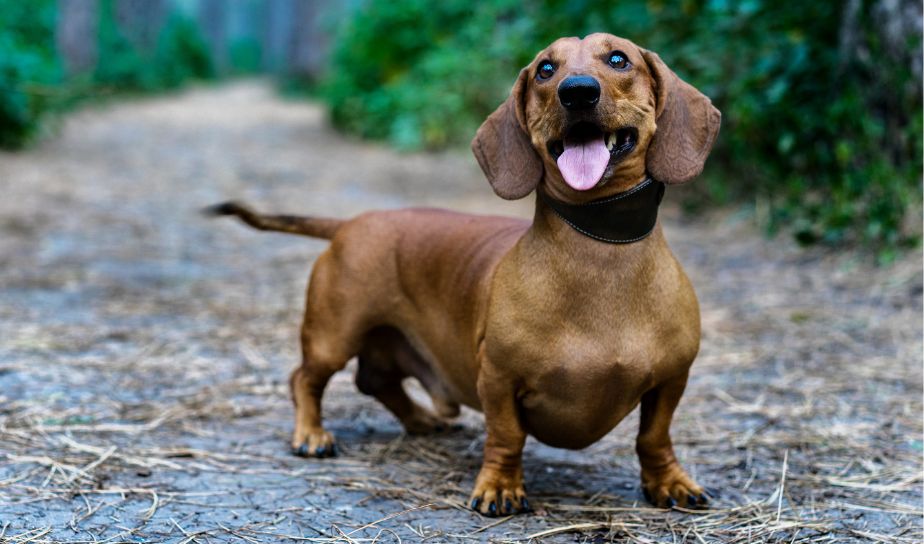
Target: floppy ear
point(503, 148)
point(687, 122)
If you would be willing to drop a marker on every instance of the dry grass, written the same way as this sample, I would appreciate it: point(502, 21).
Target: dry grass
point(144, 352)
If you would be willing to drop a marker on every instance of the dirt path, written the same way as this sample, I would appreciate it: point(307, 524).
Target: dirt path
point(144, 353)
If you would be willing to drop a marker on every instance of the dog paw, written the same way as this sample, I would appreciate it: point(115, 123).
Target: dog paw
point(673, 487)
point(320, 444)
point(497, 495)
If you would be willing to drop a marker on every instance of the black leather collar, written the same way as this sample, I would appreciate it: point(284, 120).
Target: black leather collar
point(618, 219)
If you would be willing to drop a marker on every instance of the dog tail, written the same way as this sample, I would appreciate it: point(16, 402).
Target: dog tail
point(316, 227)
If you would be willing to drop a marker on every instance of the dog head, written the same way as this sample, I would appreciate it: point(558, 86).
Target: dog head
point(590, 117)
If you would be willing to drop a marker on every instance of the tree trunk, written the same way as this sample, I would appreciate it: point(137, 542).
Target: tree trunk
point(311, 40)
point(277, 34)
point(77, 24)
point(140, 21)
point(899, 24)
point(213, 22)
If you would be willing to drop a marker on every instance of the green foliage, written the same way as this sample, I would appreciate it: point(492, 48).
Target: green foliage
point(179, 55)
point(423, 74)
point(28, 66)
point(182, 53)
point(246, 55)
point(829, 138)
point(31, 79)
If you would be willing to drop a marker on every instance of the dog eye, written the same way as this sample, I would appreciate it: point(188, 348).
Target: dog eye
point(618, 60)
point(546, 70)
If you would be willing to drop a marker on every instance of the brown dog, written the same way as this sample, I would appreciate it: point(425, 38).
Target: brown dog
point(557, 328)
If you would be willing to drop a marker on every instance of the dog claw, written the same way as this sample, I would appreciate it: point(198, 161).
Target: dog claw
point(670, 487)
point(329, 450)
point(320, 452)
point(499, 506)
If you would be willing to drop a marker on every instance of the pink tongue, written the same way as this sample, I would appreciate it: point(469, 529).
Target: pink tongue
point(582, 164)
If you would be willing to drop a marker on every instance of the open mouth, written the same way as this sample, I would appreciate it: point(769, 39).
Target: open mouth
point(586, 152)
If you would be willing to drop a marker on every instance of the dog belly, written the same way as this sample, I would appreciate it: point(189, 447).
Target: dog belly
point(573, 403)
point(577, 423)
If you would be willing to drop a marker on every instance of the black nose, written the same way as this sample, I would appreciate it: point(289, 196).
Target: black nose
point(579, 92)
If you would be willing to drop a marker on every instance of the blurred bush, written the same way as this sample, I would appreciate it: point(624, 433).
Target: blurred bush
point(32, 78)
point(245, 56)
point(822, 101)
point(179, 54)
point(29, 67)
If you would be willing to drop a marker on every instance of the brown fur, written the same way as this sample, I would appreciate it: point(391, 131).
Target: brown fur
point(546, 331)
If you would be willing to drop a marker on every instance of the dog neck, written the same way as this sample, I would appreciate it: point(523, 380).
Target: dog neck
point(623, 218)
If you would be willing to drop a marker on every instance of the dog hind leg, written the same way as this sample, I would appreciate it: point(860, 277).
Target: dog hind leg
point(331, 335)
point(307, 384)
point(380, 375)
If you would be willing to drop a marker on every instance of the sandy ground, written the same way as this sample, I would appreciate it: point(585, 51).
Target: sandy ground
point(144, 353)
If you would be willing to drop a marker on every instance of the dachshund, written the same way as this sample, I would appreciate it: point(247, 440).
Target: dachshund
point(556, 327)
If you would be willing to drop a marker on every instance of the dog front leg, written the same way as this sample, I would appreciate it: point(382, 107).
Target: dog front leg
point(664, 482)
point(499, 486)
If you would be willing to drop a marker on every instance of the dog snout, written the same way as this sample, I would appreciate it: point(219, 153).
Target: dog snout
point(579, 92)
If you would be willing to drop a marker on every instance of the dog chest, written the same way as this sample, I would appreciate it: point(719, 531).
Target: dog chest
point(572, 400)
